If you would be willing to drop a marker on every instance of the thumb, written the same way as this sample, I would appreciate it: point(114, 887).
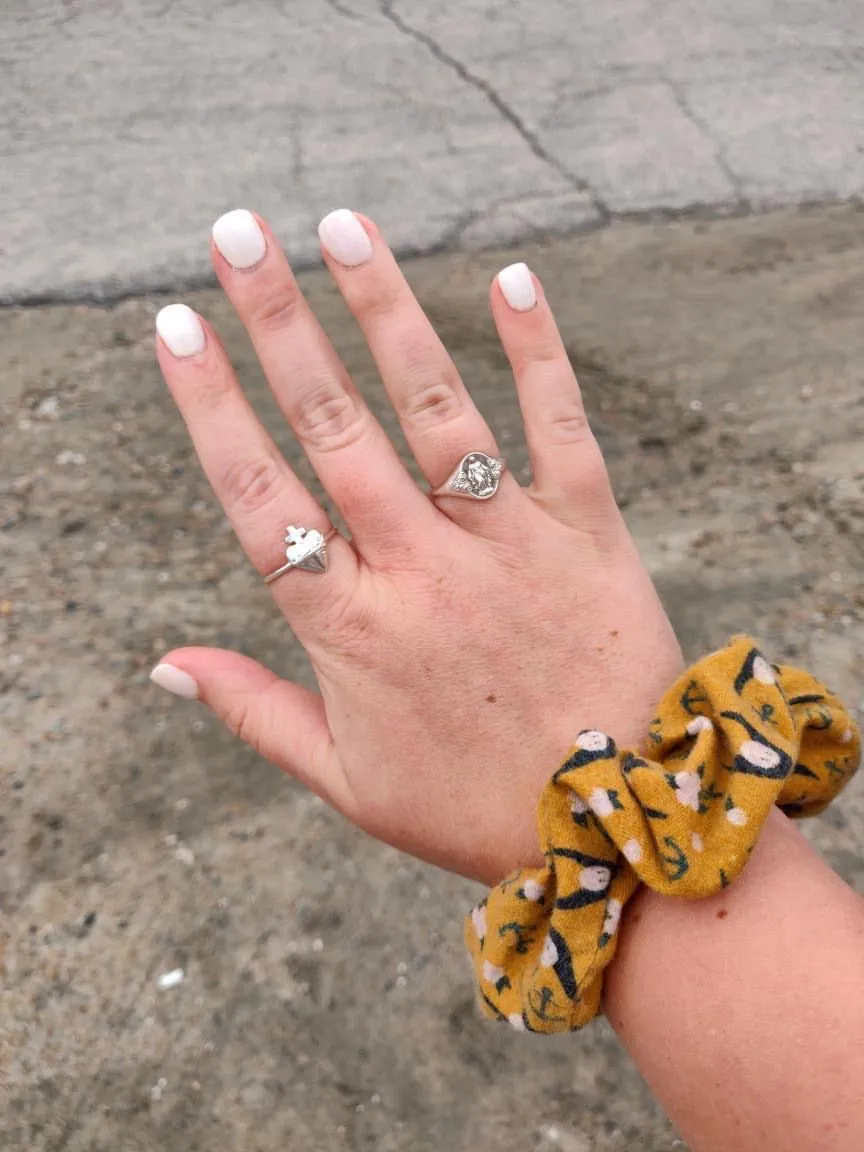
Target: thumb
point(285, 723)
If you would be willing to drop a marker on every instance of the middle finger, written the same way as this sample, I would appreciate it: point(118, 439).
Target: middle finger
point(439, 418)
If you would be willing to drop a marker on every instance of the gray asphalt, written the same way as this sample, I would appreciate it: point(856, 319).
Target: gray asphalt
point(126, 126)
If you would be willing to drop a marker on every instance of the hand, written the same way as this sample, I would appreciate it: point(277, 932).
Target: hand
point(459, 645)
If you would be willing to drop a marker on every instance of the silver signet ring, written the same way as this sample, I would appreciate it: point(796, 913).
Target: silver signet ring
point(476, 477)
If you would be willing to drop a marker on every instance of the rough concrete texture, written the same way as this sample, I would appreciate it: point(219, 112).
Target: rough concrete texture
point(128, 125)
point(326, 1002)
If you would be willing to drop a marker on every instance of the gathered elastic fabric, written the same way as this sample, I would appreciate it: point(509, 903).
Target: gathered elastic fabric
point(733, 737)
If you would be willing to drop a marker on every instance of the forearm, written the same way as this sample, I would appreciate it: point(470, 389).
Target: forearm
point(745, 1011)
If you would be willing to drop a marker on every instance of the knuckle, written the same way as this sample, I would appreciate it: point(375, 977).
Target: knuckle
point(328, 418)
point(253, 485)
point(569, 425)
point(278, 309)
point(539, 364)
point(431, 400)
point(588, 475)
point(214, 390)
point(250, 718)
point(238, 719)
point(374, 307)
point(431, 391)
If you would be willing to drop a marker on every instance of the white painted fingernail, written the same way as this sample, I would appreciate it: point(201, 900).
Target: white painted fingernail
point(345, 238)
point(175, 680)
point(181, 329)
point(239, 238)
point(517, 287)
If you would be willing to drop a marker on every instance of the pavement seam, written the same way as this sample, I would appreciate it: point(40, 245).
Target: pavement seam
point(107, 294)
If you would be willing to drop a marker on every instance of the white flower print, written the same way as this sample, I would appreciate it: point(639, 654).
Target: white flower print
point(763, 672)
point(699, 724)
point(601, 803)
point(578, 806)
point(491, 972)
point(549, 955)
point(687, 785)
point(759, 754)
point(517, 1022)
point(592, 741)
point(594, 879)
point(533, 890)
point(737, 816)
point(478, 919)
point(697, 842)
point(632, 851)
point(613, 917)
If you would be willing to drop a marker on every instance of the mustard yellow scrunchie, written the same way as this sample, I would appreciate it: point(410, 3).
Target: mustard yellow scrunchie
point(734, 736)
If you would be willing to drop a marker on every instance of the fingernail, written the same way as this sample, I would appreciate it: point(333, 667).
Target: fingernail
point(181, 330)
point(345, 238)
point(517, 287)
point(239, 238)
point(175, 680)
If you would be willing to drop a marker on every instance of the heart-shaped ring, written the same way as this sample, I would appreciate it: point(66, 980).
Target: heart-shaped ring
point(306, 549)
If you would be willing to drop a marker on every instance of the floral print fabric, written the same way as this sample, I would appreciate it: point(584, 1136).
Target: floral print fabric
point(734, 736)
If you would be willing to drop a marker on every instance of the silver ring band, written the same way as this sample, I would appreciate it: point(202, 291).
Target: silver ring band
point(306, 550)
point(475, 477)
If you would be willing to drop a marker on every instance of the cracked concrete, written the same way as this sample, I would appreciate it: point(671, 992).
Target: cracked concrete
point(736, 191)
point(499, 104)
point(126, 126)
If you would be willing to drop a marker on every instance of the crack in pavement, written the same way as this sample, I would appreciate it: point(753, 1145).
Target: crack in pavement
point(337, 6)
point(499, 104)
point(702, 128)
point(456, 235)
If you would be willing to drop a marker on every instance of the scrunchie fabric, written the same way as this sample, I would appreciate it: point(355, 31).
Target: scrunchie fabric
point(734, 736)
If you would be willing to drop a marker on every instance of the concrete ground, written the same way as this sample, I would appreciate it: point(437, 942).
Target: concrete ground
point(326, 1002)
point(127, 126)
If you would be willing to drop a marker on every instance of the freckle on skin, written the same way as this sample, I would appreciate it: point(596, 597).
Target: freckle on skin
point(614, 632)
point(491, 698)
point(722, 914)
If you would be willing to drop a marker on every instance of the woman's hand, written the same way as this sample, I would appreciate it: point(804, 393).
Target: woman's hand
point(459, 645)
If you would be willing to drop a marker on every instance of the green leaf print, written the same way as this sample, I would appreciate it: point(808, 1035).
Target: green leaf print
point(707, 796)
point(541, 1001)
point(838, 771)
point(523, 939)
point(690, 698)
point(677, 860)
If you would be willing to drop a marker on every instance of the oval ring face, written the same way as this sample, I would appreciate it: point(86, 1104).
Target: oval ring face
point(476, 477)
